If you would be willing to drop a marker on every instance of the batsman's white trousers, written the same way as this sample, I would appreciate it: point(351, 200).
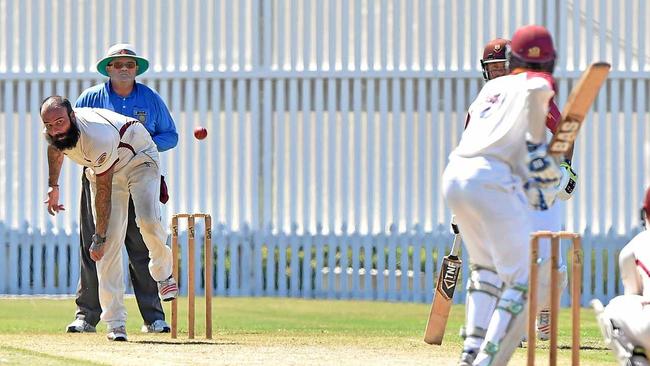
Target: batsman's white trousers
point(492, 213)
point(551, 220)
point(140, 178)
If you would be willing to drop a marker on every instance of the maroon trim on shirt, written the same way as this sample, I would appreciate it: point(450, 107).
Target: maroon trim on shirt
point(125, 127)
point(643, 267)
point(124, 144)
point(122, 132)
point(553, 117)
point(116, 160)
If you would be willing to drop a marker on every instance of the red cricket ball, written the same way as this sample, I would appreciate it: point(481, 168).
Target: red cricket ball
point(200, 133)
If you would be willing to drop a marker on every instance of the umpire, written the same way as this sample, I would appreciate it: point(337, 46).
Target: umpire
point(122, 94)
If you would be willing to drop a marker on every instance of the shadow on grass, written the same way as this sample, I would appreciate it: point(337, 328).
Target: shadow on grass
point(568, 347)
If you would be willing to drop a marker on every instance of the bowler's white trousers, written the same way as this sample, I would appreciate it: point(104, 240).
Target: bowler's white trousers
point(140, 178)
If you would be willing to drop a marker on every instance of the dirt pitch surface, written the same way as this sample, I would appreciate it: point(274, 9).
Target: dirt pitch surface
point(240, 350)
point(261, 331)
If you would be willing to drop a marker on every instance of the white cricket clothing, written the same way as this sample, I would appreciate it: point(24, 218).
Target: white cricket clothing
point(631, 312)
point(107, 139)
point(482, 182)
point(634, 263)
point(508, 111)
point(483, 187)
point(110, 139)
point(548, 220)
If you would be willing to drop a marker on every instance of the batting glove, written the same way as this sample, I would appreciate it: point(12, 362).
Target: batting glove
point(539, 198)
point(542, 168)
point(567, 182)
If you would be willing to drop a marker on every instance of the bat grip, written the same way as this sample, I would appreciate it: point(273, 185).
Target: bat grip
point(455, 248)
point(454, 226)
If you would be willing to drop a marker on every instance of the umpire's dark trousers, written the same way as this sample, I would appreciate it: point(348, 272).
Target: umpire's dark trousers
point(145, 288)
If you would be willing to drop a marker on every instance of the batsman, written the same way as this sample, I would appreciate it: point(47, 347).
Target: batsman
point(499, 168)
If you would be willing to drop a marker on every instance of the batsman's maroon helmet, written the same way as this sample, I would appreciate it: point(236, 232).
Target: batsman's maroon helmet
point(533, 44)
point(531, 48)
point(494, 51)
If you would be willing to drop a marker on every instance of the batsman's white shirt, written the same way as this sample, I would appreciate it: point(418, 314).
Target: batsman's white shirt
point(508, 109)
point(482, 182)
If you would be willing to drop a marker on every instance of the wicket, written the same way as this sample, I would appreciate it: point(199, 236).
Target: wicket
point(576, 282)
point(190, 273)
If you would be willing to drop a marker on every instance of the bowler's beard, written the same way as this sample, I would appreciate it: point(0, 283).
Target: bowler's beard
point(66, 140)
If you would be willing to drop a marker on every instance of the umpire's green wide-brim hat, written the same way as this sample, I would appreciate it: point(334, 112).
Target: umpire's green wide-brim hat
point(122, 50)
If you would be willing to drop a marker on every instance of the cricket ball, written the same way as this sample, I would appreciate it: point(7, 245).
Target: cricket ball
point(200, 133)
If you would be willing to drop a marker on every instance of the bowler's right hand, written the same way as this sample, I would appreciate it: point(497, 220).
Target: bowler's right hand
point(96, 249)
point(52, 201)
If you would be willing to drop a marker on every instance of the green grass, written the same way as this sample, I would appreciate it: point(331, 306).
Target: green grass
point(253, 324)
point(18, 356)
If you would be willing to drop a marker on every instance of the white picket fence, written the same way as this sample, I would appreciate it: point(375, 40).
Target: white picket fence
point(327, 114)
point(388, 266)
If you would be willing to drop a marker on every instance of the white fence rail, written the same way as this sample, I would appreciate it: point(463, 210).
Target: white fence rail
point(388, 266)
point(326, 114)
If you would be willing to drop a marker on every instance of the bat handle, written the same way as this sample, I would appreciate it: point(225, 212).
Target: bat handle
point(455, 249)
point(454, 226)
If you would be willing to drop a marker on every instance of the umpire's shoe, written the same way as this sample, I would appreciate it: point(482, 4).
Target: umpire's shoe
point(80, 326)
point(158, 326)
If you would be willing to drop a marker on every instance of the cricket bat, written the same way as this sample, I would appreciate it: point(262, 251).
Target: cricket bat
point(444, 292)
point(576, 108)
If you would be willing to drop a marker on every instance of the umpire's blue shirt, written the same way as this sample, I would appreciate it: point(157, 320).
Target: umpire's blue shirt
point(143, 103)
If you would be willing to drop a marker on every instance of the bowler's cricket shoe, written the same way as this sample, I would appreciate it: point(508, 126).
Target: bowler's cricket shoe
point(117, 334)
point(544, 325)
point(167, 289)
point(158, 326)
point(80, 326)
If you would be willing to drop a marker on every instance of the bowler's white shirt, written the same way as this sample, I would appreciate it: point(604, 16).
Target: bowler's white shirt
point(100, 145)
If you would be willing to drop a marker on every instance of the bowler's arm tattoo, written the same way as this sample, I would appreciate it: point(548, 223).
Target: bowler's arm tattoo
point(54, 163)
point(103, 201)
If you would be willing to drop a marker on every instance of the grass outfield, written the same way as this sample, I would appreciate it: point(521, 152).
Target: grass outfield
point(261, 331)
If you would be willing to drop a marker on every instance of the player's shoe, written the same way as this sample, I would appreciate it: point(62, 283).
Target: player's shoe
point(544, 325)
point(467, 357)
point(117, 334)
point(167, 289)
point(80, 326)
point(639, 357)
point(158, 326)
